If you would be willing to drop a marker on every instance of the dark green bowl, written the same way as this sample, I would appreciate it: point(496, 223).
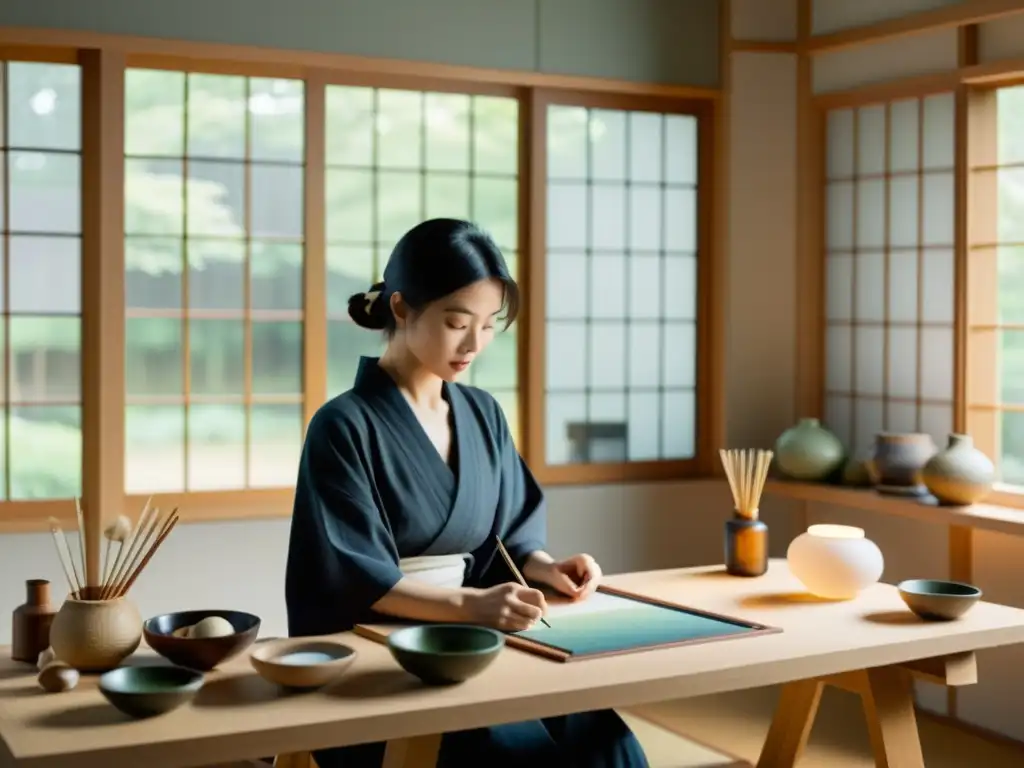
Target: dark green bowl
point(938, 600)
point(444, 654)
point(149, 691)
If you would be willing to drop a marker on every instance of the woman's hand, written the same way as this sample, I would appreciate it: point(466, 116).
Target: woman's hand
point(509, 607)
point(576, 577)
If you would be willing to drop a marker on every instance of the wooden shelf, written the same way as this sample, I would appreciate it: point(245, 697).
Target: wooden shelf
point(981, 516)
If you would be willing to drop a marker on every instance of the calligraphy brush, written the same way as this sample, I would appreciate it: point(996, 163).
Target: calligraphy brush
point(515, 571)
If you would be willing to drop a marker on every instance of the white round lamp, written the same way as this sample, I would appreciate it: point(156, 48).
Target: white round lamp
point(835, 562)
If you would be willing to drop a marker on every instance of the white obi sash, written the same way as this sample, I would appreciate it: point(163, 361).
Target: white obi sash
point(439, 570)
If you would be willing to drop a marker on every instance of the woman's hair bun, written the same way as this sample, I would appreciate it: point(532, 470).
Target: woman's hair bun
point(369, 309)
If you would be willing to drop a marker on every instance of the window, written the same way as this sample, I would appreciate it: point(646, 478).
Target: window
point(890, 269)
point(622, 246)
point(257, 197)
point(395, 158)
point(995, 298)
point(214, 243)
point(40, 297)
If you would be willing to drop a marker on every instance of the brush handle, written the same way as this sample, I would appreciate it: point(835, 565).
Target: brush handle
point(152, 550)
point(152, 528)
point(125, 557)
point(515, 572)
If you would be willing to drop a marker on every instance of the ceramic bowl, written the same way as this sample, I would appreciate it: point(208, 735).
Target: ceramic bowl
point(302, 662)
point(148, 691)
point(937, 600)
point(164, 634)
point(443, 654)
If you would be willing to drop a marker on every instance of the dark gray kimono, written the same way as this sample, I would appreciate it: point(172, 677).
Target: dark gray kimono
point(373, 489)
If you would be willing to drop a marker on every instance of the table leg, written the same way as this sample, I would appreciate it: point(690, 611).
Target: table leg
point(892, 725)
point(791, 725)
point(887, 694)
point(415, 752)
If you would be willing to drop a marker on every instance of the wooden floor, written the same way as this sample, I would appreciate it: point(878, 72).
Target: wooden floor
point(736, 723)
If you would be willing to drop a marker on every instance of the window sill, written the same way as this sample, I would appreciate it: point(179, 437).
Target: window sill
point(197, 507)
point(987, 516)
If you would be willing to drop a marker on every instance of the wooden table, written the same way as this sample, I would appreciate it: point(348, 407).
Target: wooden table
point(872, 645)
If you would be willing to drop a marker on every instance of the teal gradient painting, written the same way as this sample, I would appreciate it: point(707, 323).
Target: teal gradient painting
point(609, 623)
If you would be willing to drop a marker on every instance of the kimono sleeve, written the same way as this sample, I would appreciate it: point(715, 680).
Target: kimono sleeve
point(522, 501)
point(342, 556)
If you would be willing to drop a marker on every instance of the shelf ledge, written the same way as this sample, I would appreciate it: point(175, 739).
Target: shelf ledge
point(988, 517)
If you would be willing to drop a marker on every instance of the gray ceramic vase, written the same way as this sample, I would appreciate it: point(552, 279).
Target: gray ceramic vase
point(897, 464)
point(808, 452)
point(959, 475)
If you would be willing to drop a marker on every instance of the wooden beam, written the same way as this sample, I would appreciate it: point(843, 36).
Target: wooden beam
point(103, 297)
point(261, 60)
point(961, 538)
point(314, 264)
point(717, 315)
point(764, 46)
point(992, 72)
point(810, 224)
point(889, 90)
point(955, 670)
point(947, 17)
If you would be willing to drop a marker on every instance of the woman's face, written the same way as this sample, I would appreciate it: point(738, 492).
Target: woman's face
point(448, 335)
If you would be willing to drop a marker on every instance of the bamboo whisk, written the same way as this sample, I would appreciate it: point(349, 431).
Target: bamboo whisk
point(747, 471)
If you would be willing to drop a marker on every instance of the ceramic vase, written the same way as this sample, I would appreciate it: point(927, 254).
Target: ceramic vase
point(30, 624)
point(95, 635)
point(856, 474)
point(898, 461)
point(746, 547)
point(835, 562)
point(959, 475)
point(808, 451)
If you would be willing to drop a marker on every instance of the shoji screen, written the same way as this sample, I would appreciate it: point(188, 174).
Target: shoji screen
point(890, 286)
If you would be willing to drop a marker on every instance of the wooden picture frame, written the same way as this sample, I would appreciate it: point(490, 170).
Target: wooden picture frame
point(379, 632)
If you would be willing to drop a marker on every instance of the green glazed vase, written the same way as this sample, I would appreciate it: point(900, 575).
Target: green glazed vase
point(808, 452)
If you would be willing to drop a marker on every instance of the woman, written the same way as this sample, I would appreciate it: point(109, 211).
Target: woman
point(410, 464)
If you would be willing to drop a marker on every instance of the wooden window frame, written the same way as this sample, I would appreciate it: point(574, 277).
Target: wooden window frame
point(534, 342)
point(104, 59)
point(975, 408)
point(983, 405)
point(920, 251)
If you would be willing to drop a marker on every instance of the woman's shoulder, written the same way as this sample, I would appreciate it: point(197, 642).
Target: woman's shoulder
point(345, 417)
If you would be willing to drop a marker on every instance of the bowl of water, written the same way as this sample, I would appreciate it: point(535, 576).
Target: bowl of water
point(302, 662)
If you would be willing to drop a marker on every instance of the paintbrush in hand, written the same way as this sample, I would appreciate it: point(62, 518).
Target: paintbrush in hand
point(515, 571)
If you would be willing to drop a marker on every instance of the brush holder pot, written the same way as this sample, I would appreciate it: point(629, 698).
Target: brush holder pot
point(95, 635)
point(746, 547)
